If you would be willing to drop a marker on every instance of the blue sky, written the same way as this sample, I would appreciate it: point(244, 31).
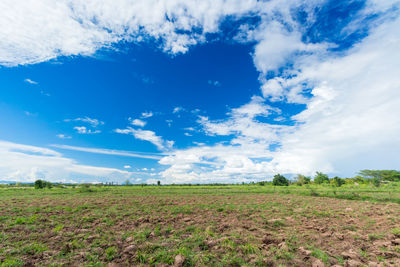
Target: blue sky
point(180, 91)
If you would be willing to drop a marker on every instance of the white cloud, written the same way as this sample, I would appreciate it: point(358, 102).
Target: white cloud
point(40, 30)
point(147, 114)
point(30, 81)
point(137, 122)
point(92, 122)
point(177, 110)
point(43, 163)
point(127, 167)
point(133, 154)
point(84, 130)
point(150, 136)
point(63, 136)
point(352, 121)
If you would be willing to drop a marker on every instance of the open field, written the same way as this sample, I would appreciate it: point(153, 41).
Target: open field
point(201, 226)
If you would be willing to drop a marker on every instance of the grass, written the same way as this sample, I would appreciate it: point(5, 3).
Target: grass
point(207, 225)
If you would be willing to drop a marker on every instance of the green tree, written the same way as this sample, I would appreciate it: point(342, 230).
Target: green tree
point(301, 179)
point(320, 178)
point(39, 184)
point(280, 180)
point(338, 182)
point(158, 183)
point(384, 175)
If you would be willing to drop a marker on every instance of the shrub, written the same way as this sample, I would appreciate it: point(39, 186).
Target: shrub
point(280, 180)
point(321, 178)
point(40, 184)
point(338, 182)
point(301, 179)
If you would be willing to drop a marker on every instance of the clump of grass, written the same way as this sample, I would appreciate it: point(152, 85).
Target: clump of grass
point(320, 255)
point(11, 262)
point(111, 253)
point(373, 237)
point(58, 228)
point(396, 231)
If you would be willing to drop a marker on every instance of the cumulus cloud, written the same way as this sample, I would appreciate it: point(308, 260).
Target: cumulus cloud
point(351, 121)
point(147, 115)
point(137, 122)
point(150, 136)
point(84, 130)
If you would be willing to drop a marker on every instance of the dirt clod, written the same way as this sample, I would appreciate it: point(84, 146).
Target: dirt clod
point(179, 260)
point(317, 263)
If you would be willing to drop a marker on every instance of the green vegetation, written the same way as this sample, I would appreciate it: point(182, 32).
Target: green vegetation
point(321, 178)
point(280, 180)
point(256, 224)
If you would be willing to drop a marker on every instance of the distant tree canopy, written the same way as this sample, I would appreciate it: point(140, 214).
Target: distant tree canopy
point(384, 175)
point(280, 180)
point(39, 184)
point(301, 179)
point(321, 178)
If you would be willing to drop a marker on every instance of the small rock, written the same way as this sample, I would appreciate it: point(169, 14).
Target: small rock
point(339, 236)
point(187, 219)
point(326, 234)
point(352, 263)
point(283, 246)
point(268, 240)
point(396, 241)
point(179, 260)
point(350, 254)
point(349, 209)
point(129, 239)
point(130, 249)
point(304, 251)
point(317, 263)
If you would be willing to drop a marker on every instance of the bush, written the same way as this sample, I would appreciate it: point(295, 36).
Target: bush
point(280, 180)
point(338, 182)
point(40, 184)
point(321, 178)
point(301, 179)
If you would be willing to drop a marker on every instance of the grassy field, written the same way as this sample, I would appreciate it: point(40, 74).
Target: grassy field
point(238, 225)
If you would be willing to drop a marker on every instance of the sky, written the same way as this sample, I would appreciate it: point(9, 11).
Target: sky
point(190, 91)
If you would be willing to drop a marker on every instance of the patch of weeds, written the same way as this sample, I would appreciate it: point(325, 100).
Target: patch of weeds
point(26, 220)
point(249, 249)
point(396, 231)
point(220, 209)
point(12, 263)
point(340, 260)
point(190, 229)
point(34, 248)
point(111, 253)
point(143, 235)
point(141, 257)
point(58, 228)
point(320, 255)
point(282, 254)
point(373, 237)
point(162, 256)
